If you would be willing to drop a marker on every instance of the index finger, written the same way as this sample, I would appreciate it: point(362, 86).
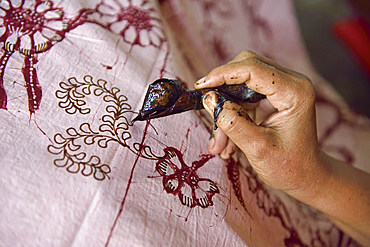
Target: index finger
point(246, 54)
point(282, 89)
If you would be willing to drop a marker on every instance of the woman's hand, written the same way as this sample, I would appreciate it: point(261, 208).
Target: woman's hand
point(281, 141)
point(279, 138)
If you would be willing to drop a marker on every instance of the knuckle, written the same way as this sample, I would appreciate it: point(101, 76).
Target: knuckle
point(307, 91)
point(244, 55)
point(252, 62)
point(247, 54)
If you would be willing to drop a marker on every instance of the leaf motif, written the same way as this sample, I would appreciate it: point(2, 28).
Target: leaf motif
point(123, 118)
point(80, 102)
point(99, 175)
point(89, 140)
point(108, 119)
point(109, 98)
point(125, 136)
point(86, 90)
point(112, 109)
point(60, 94)
point(115, 90)
point(122, 98)
point(61, 162)
point(73, 81)
point(80, 156)
point(87, 170)
point(74, 168)
point(98, 91)
point(64, 86)
point(94, 160)
point(122, 127)
point(59, 139)
point(124, 106)
point(72, 131)
point(71, 110)
point(86, 128)
point(65, 104)
point(105, 169)
point(107, 128)
point(76, 94)
point(84, 111)
point(101, 83)
point(73, 147)
point(55, 150)
point(87, 78)
point(103, 142)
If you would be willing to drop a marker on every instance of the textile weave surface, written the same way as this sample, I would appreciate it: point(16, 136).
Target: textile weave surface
point(76, 172)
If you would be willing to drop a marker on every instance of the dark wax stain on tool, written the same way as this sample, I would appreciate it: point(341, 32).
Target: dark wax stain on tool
point(167, 97)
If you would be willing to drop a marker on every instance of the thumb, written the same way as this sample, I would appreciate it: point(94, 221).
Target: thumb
point(234, 121)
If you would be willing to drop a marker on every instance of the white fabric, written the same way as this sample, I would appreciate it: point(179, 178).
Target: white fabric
point(74, 172)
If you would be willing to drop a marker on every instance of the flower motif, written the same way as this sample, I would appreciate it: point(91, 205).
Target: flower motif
point(134, 21)
point(30, 26)
point(183, 181)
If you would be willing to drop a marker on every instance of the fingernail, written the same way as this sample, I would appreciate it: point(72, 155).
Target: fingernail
point(201, 81)
point(211, 143)
point(227, 153)
point(209, 101)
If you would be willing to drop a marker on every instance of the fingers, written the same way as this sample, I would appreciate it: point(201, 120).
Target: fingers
point(236, 124)
point(284, 88)
point(281, 141)
point(249, 54)
point(231, 73)
point(221, 144)
point(218, 141)
point(233, 122)
point(203, 82)
point(229, 150)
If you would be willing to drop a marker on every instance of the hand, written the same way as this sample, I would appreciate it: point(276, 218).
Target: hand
point(281, 144)
point(280, 141)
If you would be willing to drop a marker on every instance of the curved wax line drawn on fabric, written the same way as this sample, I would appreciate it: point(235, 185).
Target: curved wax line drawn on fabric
point(34, 27)
point(114, 128)
point(178, 178)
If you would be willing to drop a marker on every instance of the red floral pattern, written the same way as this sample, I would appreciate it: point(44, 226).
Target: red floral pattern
point(182, 180)
point(34, 27)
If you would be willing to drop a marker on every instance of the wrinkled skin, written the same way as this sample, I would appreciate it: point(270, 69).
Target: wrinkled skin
point(278, 136)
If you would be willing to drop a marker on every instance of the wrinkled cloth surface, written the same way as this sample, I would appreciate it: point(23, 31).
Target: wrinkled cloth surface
point(74, 171)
